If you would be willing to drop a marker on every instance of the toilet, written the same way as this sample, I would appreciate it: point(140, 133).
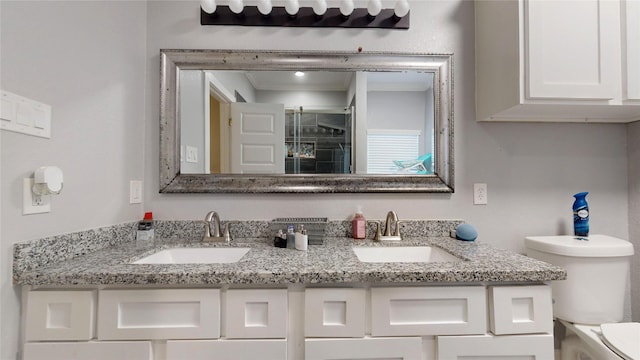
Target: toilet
point(590, 302)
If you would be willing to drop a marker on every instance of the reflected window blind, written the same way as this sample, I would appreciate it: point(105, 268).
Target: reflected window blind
point(385, 146)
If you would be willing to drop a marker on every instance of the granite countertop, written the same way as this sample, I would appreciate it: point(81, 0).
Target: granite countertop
point(333, 262)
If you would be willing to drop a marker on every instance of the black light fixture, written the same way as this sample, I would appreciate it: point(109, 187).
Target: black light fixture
point(291, 14)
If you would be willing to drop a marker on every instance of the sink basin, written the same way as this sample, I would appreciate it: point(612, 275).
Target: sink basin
point(426, 254)
point(210, 255)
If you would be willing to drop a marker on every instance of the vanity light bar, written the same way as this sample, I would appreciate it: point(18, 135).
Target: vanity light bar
point(293, 15)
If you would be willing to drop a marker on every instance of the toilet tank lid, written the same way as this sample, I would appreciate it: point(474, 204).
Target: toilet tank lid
point(595, 246)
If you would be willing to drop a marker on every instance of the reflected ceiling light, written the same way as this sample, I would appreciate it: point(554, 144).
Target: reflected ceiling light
point(299, 73)
point(208, 6)
point(374, 7)
point(265, 7)
point(320, 7)
point(346, 7)
point(292, 7)
point(236, 6)
point(402, 8)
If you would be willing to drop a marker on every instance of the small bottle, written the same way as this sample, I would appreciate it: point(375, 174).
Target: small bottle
point(291, 238)
point(581, 215)
point(145, 233)
point(359, 226)
point(302, 240)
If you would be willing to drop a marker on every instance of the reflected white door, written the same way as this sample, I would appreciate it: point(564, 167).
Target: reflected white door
point(257, 138)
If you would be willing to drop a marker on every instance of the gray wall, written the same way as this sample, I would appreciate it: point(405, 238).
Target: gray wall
point(532, 170)
point(634, 214)
point(87, 60)
point(98, 66)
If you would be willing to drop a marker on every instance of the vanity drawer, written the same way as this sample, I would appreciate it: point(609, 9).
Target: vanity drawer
point(365, 349)
point(60, 315)
point(482, 347)
point(419, 311)
point(265, 349)
point(334, 312)
point(130, 350)
point(159, 314)
point(520, 309)
point(256, 314)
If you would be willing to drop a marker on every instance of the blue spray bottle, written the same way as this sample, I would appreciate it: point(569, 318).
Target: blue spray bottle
point(581, 215)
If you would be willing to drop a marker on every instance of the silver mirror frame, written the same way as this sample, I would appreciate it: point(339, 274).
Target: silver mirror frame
point(172, 181)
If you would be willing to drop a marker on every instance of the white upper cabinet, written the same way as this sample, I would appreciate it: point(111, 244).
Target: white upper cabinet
point(557, 60)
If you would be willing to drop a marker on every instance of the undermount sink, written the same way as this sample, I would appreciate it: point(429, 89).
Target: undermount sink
point(211, 255)
point(427, 254)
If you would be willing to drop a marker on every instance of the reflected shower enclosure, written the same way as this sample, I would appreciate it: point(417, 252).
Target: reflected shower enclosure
point(318, 142)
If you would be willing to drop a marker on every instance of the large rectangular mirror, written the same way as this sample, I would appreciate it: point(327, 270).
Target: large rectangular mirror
point(260, 121)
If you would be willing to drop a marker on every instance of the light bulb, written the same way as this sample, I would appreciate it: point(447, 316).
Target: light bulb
point(236, 6)
point(374, 7)
point(265, 7)
point(402, 8)
point(320, 7)
point(346, 7)
point(292, 7)
point(208, 6)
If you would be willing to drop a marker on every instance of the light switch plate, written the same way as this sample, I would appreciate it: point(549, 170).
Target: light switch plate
point(135, 192)
point(26, 116)
point(31, 203)
point(192, 154)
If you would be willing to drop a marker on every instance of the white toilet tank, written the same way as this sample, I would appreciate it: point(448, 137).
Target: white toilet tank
point(597, 275)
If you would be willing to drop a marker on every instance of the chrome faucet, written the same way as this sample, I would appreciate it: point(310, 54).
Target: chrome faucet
point(391, 222)
point(215, 235)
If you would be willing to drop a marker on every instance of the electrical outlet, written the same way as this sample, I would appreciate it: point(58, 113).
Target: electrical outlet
point(135, 192)
point(480, 194)
point(31, 203)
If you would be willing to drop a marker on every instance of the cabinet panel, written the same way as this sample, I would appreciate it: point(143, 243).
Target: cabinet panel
point(227, 349)
point(116, 350)
point(520, 309)
point(428, 311)
point(256, 314)
point(60, 315)
point(573, 49)
point(159, 314)
point(631, 46)
point(368, 348)
point(488, 347)
point(334, 312)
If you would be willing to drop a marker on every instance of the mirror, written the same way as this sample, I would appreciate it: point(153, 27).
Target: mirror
point(375, 122)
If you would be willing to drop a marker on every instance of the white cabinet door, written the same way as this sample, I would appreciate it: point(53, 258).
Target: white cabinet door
point(227, 350)
point(520, 309)
point(60, 315)
point(159, 314)
point(113, 350)
point(334, 312)
point(573, 49)
point(256, 313)
point(367, 348)
point(486, 347)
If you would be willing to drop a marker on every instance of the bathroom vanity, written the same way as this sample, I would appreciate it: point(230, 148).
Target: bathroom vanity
point(273, 303)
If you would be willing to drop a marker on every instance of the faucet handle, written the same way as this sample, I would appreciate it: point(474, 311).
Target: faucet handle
point(227, 233)
point(378, 233)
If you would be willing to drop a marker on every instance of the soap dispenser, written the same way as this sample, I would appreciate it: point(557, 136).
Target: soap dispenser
point(359, 225)
point(302, 239)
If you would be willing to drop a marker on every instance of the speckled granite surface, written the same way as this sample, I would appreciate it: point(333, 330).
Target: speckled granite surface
point(333, 262)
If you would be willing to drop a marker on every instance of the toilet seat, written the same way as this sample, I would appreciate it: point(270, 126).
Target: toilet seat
point(623, 339)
